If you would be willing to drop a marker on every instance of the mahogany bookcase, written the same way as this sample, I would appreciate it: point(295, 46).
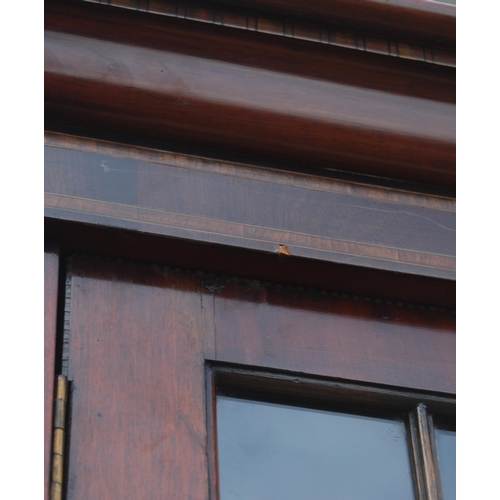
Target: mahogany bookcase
point(248, 198)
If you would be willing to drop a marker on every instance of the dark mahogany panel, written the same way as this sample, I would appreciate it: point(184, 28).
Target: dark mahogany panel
point(247, 207)
point(420, 19)
point(243, 92)
point(139, 338)
point(51, 273)
point(235, 261)
point(328, 335)
point(138, 419)
point(281, 24)
point(252, 49)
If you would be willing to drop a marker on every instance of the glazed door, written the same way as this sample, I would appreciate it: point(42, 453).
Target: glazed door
point(152, 352)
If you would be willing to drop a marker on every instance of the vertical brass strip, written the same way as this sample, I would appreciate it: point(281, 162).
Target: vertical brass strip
point(56, 484)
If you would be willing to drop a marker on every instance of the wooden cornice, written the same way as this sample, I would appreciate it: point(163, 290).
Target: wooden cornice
point(355, 37)
point(423, 20)
point(174, 79)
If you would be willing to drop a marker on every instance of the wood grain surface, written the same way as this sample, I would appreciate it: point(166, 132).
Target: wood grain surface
point(417, 19)
point(322, 393)
point(281, 328)
point(348, 90)
point(244, 263)
point(51, 273)
point(138, 427)
point(253, 208)
point(282, 25)
point(288, 99)
point(142, 393)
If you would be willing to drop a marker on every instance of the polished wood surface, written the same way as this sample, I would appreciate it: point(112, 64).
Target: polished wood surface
point(250, 49)
point(141, 387)
point(279, 212)
point(277, 25)
point(142, 396)
point(285, 99)
point(51, 273)
point(303, 182)
point(212, 443)
point(418, 19)
point(138, 424)
point(328, 335)
point(219, 259)
point(322, 393)
point(322, 333)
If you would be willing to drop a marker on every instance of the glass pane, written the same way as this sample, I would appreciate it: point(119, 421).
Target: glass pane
point(446, 448)
point(274, 452)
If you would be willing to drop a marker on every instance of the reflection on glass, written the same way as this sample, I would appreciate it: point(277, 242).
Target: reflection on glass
point(276, 452)
point(446, 448)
